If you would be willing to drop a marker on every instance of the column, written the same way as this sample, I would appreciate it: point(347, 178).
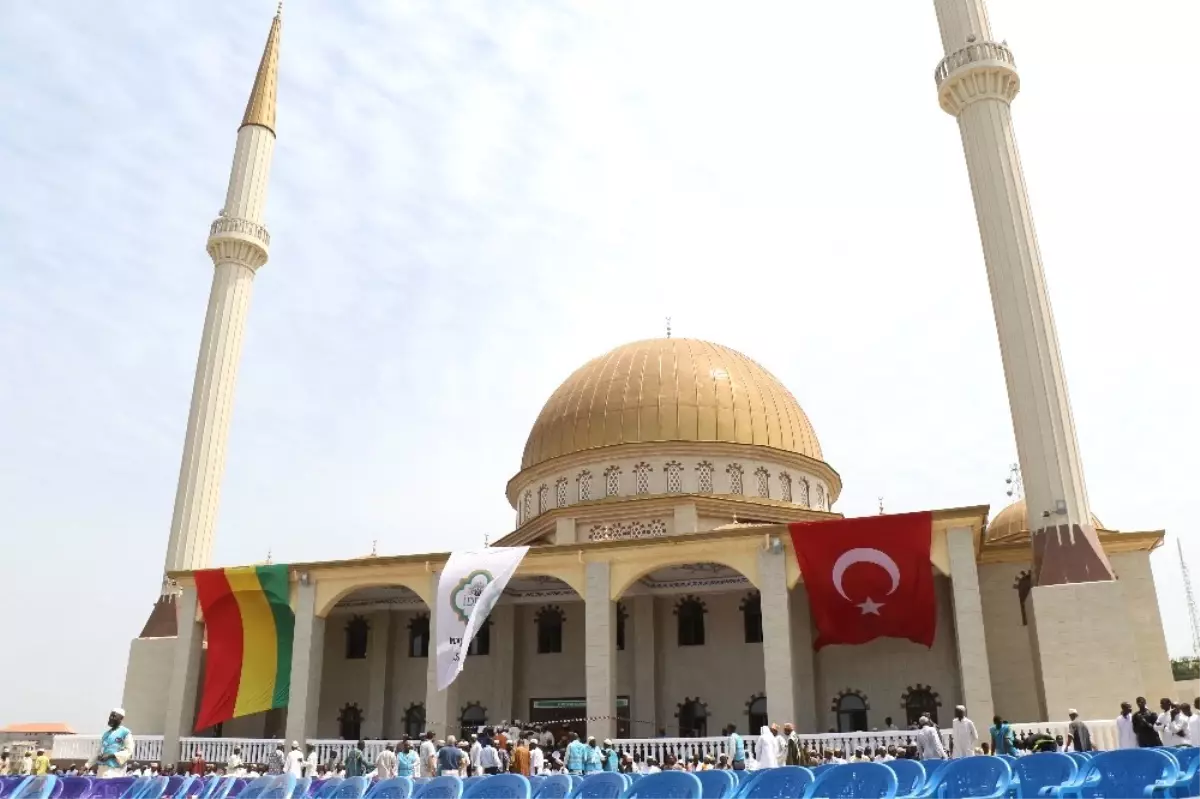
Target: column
point(644, 706)
point(185, 676)
point(441, 707)
point(378, 648)
point(968, 625)
point(308, 657)
point(600, 652)
point(804, 665)
point(500, 707)
point(777, 634)
point(977, 80)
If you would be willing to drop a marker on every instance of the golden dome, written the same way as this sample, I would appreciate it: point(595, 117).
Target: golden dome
point(669, 389)
point(1011, 521)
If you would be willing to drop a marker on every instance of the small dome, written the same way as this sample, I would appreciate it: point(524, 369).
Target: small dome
point(1011, 521)
point(669, 389)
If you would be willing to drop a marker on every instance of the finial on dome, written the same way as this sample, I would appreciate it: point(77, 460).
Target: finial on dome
point(668, 327)
point(260, 109)
point(881, 506)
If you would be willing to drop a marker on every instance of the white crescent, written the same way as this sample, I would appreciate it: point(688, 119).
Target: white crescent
point(864, 555)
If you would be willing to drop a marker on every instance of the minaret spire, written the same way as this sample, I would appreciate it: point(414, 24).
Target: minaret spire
point(239, 244)
point(260, 108)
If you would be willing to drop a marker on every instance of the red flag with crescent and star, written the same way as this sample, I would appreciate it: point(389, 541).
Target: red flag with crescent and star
point(868, 578)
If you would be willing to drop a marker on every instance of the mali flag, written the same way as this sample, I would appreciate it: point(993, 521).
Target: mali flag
point(249, 623)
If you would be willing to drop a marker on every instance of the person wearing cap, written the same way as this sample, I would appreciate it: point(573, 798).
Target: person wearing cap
point(1078, 733)
point(928, 741)
point(115, 749)
point(965, 736)
point(310, 762)
point(609, 758)
point(295, 761)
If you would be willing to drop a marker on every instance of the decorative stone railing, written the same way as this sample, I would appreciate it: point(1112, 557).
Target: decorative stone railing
point(974, 52)
point(232, 224)
point(146, 748)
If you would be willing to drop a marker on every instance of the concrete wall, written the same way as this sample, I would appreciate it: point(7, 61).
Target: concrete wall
point(1014, 692)
point(147, 682)
point(1148, 638)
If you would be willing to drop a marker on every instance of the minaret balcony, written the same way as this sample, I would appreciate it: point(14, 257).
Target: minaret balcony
point(979, 71)
point(231, 238)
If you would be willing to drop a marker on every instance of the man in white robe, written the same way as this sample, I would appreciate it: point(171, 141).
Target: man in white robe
point(295, 761)
point(1126, 737)
point(115, 749)
point(966, 737)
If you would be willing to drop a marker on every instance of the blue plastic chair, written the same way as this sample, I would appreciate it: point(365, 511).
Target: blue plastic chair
point(910, 776)
point(75, 787)
point(1188, 758)
point(499, 786)
point(666, 785)
point(327, 788)
point(220, 788)
point(718, 784)
point(1124, 772)
point(394, 788)
point(153, 788)
point(349, 788)
point(860, 780)
point(281, 786)
point(535, 784)
point(553, 786)
point(303, 786)
point(780, 781)
point(746, 784)
point(605, 785)
point(933, 777)
point(1032, 773)
point(35, 787)
point(975, 777)
point(256, 786)
point(447, 787)
point(182, 785)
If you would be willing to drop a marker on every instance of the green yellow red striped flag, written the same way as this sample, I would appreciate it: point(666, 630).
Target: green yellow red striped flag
point(249, 623)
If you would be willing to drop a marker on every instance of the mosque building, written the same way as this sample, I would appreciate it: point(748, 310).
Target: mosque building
point(660, 591)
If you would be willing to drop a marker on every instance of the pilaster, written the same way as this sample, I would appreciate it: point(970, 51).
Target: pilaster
point(378, 665)
point(308, 657)
point(185, 676)
point(804, 663)
point(503, 640)
point(777, 634)
point(600, 650)
point(644, 704)
point(968, 623)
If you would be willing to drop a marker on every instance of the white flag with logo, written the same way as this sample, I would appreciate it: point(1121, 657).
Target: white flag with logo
point(470, 585)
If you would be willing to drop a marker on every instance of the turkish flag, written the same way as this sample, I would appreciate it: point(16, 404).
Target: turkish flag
point(868, 578)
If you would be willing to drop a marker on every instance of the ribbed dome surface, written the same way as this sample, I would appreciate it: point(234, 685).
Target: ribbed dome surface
point(669, 389)
point(1012, 520)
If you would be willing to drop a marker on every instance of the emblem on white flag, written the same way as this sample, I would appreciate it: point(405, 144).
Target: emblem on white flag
point(469, 587)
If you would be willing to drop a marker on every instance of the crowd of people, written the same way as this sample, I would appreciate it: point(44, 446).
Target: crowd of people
point(540, 751)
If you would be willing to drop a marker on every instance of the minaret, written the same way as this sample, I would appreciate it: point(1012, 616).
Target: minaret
point(977, 80)
point(238, 244)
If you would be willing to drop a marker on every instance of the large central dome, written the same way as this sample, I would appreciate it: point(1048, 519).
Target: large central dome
point(669, 389)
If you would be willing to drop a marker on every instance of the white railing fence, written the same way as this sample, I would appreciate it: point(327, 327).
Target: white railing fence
point(148, 748)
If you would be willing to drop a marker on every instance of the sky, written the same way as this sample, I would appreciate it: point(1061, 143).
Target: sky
point(471, 199)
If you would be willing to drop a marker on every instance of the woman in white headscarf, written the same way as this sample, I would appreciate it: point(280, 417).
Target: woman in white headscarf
point(766, 749)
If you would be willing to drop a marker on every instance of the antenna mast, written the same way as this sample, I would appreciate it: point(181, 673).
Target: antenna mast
point(1193, 616)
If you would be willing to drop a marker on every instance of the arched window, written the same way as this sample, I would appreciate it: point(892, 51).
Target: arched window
point(802, 494)
point(357, 634)
point(821, 497)
point(674, 471)
point(734, 470)
point(851, 711)
point(527, 507)
point(756, 708)
point(622, 615)
point(549, 630)
point(481, 644)
point(543, 498)
point(785, 486)
point(418, 636)
point(752, 619)
point(641, 478)
point(764, 481)
point(585, 485)
point(693, 718)
point(473, 717)
point(689, 613)
point(612, 481)
point(704, 473)
point(560, 492)
point(414, 720)
point(920, 700)
point(350, 720)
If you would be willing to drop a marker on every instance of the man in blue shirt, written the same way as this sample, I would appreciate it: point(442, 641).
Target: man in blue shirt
point(577, 755)
point(449, 758)
point(737, 748)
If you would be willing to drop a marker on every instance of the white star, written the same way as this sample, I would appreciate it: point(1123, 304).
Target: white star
point(871, 606)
